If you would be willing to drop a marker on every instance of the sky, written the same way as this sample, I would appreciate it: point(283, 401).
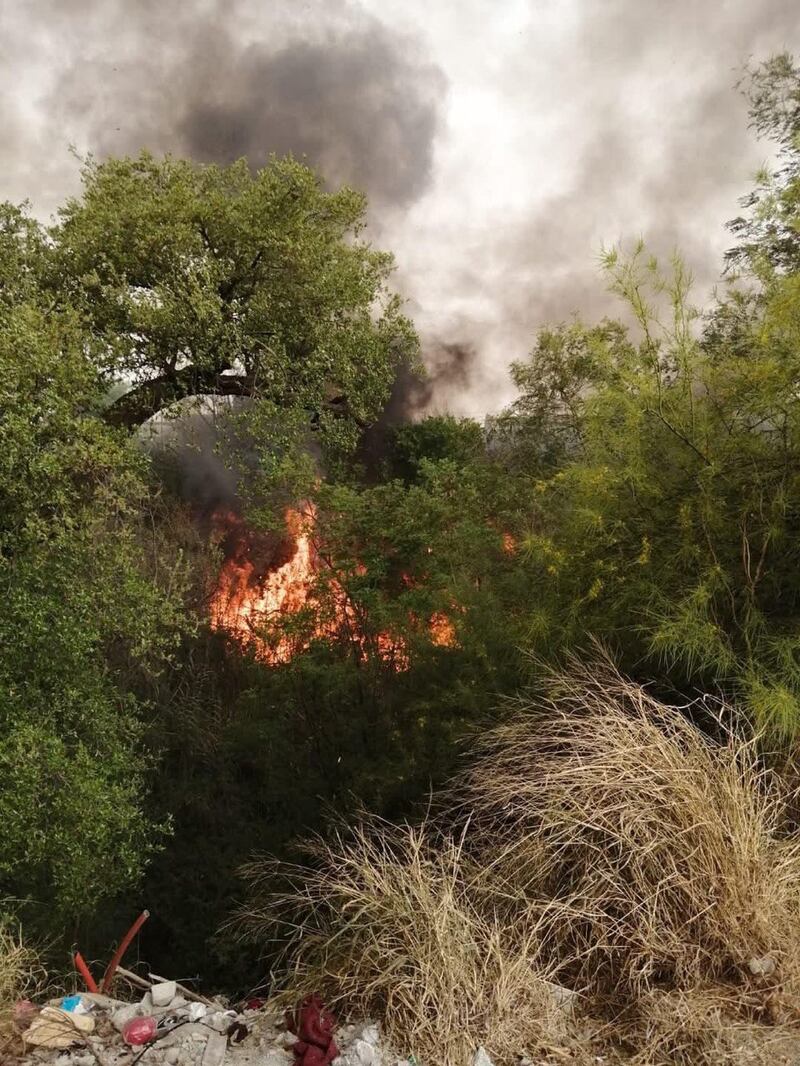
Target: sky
point(502, 143)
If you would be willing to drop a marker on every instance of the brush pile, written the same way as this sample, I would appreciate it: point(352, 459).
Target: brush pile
point(607, 879)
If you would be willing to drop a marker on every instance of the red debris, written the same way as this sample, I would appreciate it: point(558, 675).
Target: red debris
point(313, 1026)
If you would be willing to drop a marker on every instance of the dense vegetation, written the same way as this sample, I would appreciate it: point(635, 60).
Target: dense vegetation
point(643, 489)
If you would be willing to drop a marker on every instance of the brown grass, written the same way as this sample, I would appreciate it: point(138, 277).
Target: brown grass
point(387, 923)
point(21, 976)
point(605, 842)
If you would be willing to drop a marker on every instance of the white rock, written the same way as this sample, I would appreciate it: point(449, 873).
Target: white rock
point(361, 1053)
point(123, 1015)
point(163, 993)
point(480, 1058)
point(762, 967)
point(276, 1057)
point(369, 1034)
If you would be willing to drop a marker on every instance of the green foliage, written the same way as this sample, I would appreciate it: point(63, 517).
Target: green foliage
point(206, 279)
point(768, 232)
point(669, 526)
point(79, 612)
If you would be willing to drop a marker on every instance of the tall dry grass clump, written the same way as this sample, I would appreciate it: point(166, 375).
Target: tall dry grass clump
point(21, 975)
point(599, 839)
point(385, 923)
point(649, 856)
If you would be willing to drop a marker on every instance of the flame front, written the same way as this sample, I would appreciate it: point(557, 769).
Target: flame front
point(243, 600)
point(246, 600)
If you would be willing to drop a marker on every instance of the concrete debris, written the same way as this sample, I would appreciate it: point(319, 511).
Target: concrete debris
point(163, 994)
point(184, 1034)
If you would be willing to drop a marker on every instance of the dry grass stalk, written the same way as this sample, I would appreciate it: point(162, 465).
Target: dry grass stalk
point(21, 976)
point(649, 855)
point(607, 842)
point(386, 923)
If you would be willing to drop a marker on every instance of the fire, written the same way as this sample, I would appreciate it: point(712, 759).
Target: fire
point(244, 599)
point(442, 631)
point(248, 597)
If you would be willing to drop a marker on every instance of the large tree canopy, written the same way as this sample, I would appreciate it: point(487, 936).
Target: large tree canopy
point(215, 280)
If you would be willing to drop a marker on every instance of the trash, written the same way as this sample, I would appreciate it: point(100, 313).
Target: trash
point(139, 1030)
point(125, 943)
point(313, 1025)
point(57, 1028)
point(256, 1003)
point(75, 1005)
point(481, 1058)
point(237, 1031)
point(196, 1011)
point(24, 1012)
point(163, 994)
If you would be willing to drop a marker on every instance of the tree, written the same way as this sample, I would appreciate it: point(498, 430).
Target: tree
point(79, 610)
point(670, 525)
point(768, 234)
point(214, 280)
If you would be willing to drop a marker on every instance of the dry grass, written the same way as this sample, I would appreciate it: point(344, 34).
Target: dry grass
point(386, 923)
point(649, 855)
point(21, 975)
point(605, 842)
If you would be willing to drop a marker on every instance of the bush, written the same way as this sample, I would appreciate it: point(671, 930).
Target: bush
point(606, 843)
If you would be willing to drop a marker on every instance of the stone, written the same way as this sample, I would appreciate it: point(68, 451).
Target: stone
point(275, 1057)
point(369, 1033)
point(163, 993)
point(122, 1015)
point(216, 1046)
point(762, 967)
point(361, 1053)
point(481, 1058)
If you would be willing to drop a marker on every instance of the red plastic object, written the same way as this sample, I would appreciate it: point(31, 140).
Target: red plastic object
point(123, 947)
point(83, 970)
point(313, 1025)
point(139, 1030)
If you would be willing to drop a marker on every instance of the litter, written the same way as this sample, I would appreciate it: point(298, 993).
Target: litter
point(139, 1030)
point(56, 1028)
point(94, 1029)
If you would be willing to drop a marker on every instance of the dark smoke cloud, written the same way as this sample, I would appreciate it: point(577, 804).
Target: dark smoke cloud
point(617, 119)
point(356, 100)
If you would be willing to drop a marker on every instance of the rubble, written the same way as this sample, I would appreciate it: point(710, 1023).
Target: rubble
point(95, 1029)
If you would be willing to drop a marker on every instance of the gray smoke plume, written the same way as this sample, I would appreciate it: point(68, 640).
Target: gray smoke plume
point(501, 144)
point(356, 100)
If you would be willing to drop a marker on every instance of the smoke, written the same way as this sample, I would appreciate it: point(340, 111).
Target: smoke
point(501, 145)
point(355, 99)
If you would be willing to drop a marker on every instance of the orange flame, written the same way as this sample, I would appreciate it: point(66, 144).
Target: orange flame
point(246, 599)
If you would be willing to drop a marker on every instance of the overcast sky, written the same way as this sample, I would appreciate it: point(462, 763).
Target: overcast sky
point(501, 142)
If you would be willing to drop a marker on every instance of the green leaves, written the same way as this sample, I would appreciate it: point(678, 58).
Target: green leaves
point(201, 278)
